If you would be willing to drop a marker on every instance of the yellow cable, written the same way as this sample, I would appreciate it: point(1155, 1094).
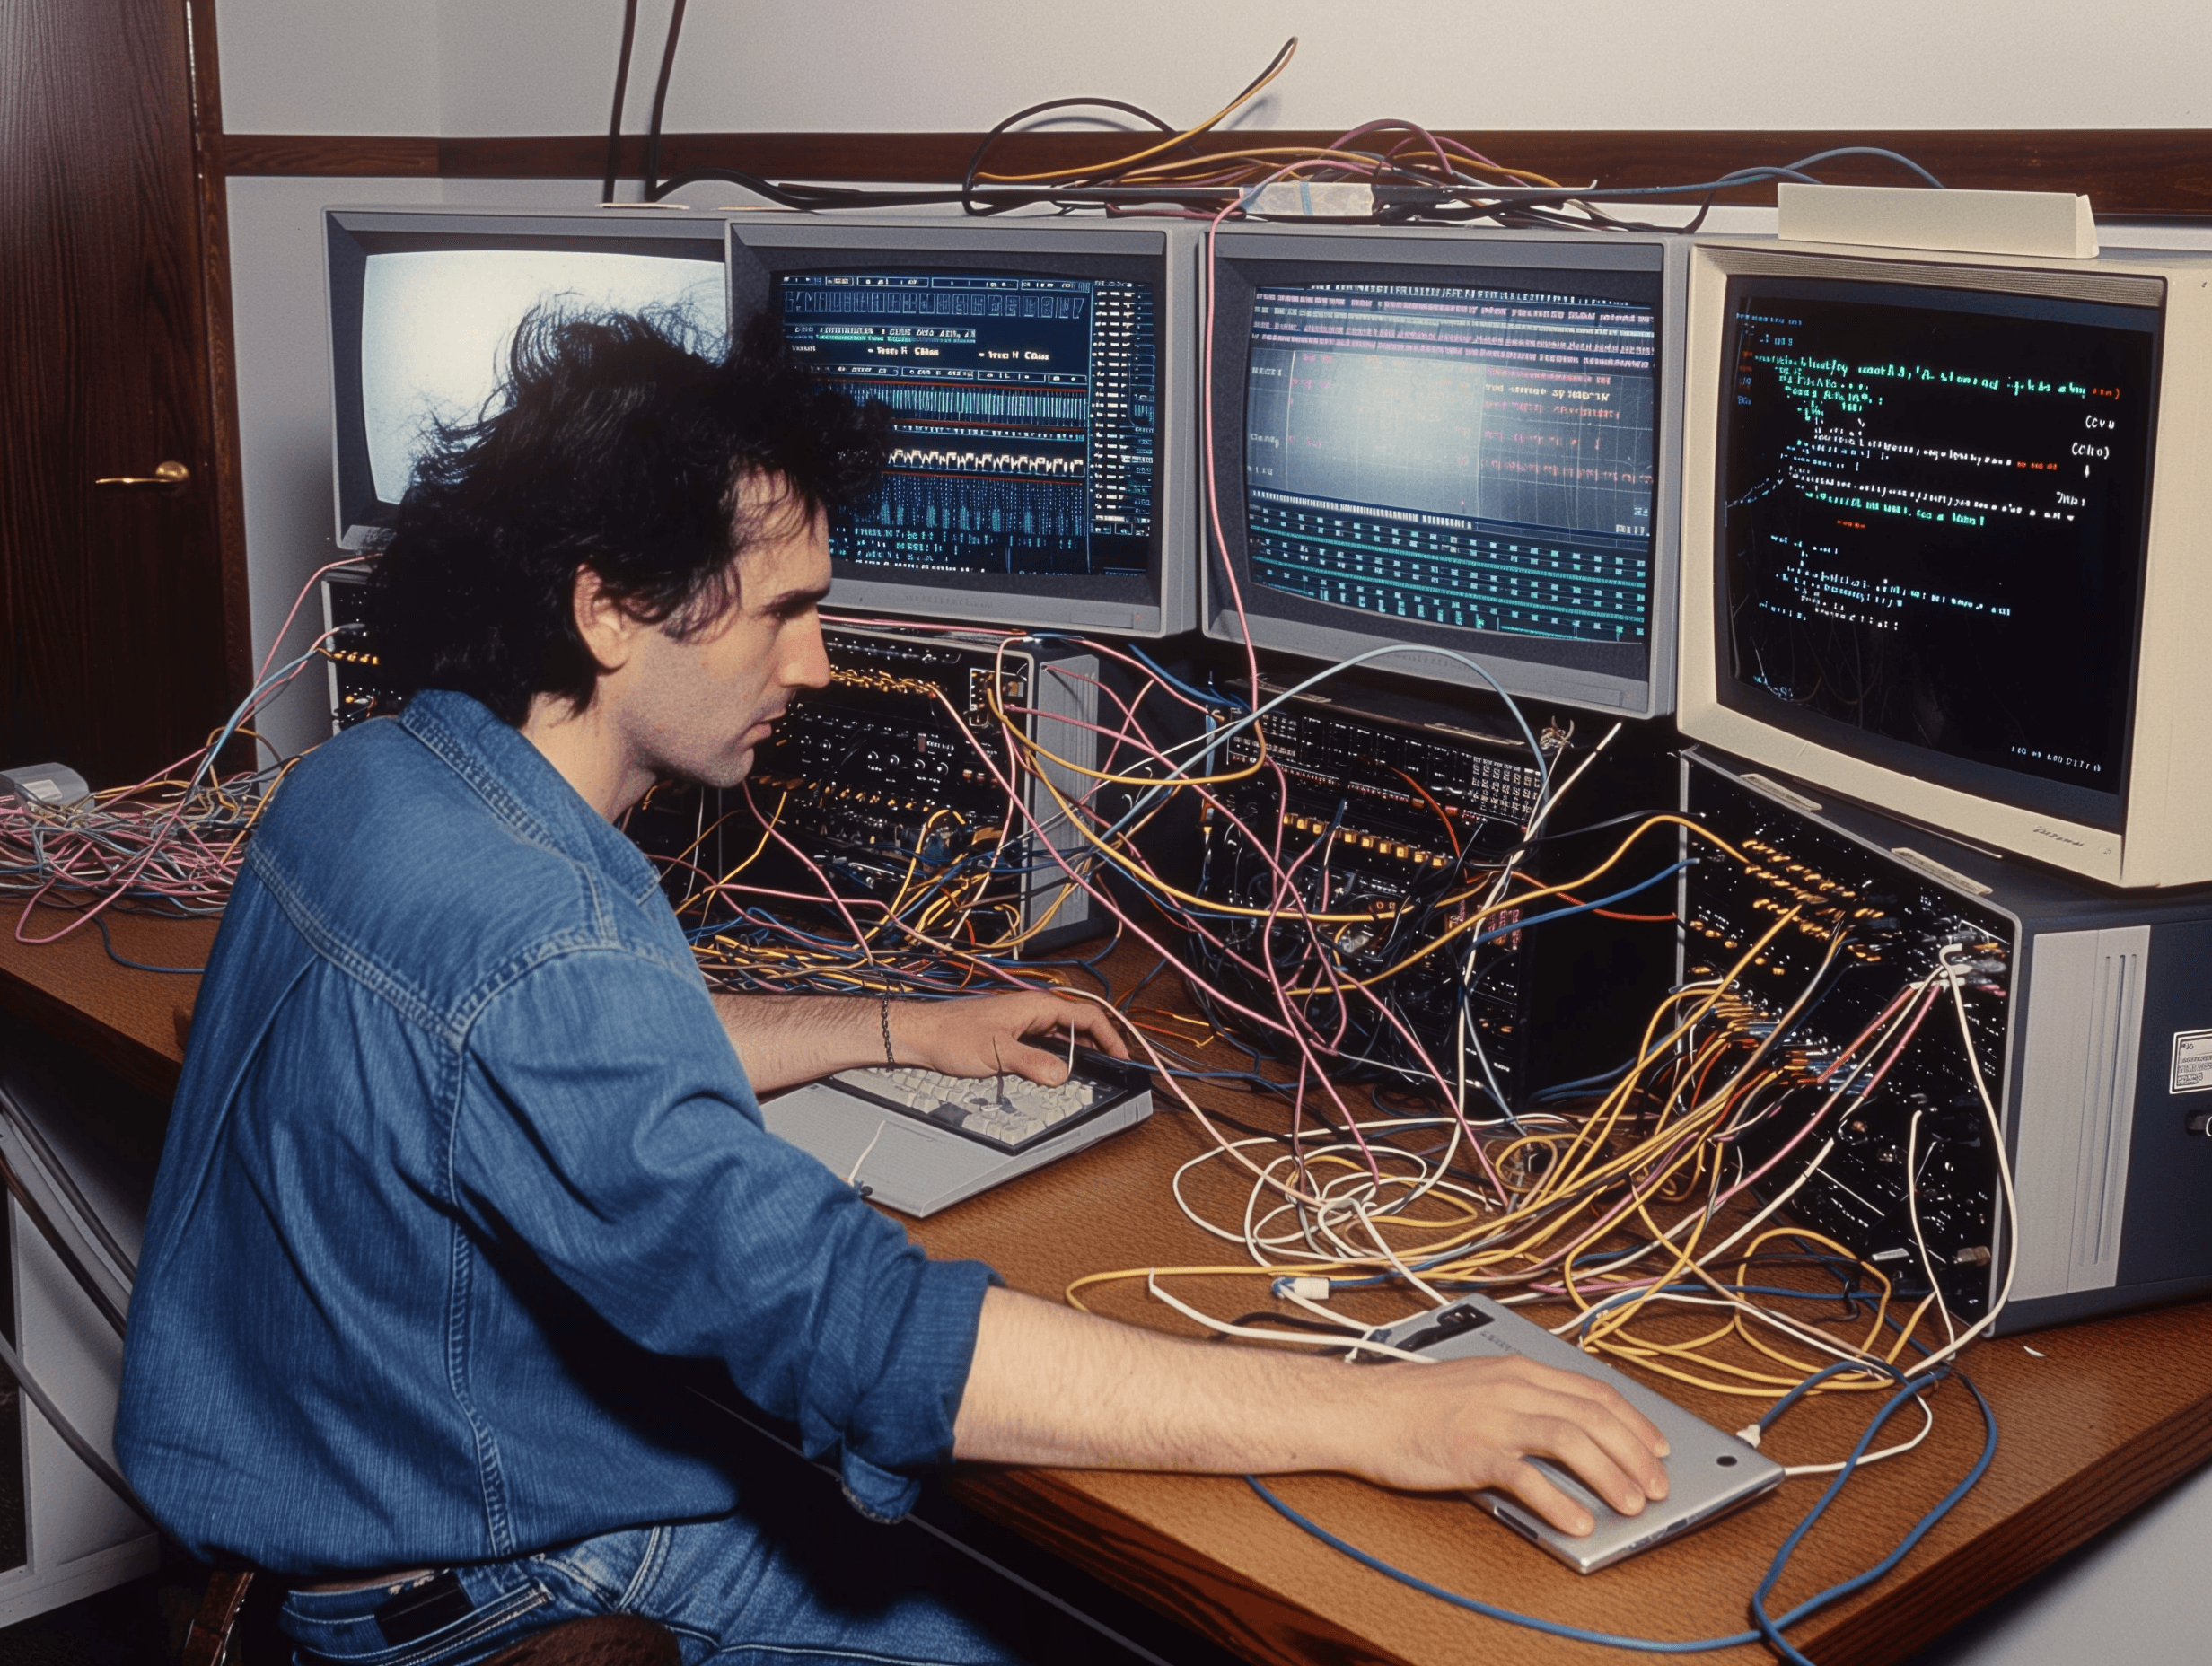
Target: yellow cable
point(1282, 61)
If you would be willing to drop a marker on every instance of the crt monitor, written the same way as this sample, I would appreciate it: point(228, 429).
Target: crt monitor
point(423, 304)
point(1036, 376)
point(1449, 439)
point(1945, 528)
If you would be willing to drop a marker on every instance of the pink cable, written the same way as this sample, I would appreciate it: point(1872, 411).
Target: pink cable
point(1285, 890)
point(860, 939)
point(1290, 1026)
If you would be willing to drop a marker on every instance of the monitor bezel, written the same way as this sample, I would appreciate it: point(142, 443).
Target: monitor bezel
point(2038, 795)
point(764, 247)
point(1248, 258)
point(351, 235)
point(2167, 837)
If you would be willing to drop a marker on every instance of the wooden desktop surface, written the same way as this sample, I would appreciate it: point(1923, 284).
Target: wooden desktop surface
point(2094, 1421)
point(132, 1021)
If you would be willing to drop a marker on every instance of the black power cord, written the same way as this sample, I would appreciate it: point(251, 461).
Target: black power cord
point(654, 190)
point(621, 85)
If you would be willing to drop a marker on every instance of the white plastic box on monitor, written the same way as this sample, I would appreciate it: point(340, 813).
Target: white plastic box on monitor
point(1947, 539)
point(1448, 443)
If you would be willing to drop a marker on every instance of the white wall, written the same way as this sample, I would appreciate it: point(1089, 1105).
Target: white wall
point(2137, 1594)
point(332, 65)
point(540, 67)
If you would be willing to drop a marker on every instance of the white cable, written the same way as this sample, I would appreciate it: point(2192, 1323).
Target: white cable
point(1844, 1353)
point(1919, 1238)
point(1735, 1238)
point(1321, 1312)
point(1403, 1271)
point(1254, 1333)
point(1928, 1423)
point(2010, 1223)
point(853, 1178)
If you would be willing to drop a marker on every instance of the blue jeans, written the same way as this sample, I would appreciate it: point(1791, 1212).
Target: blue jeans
point(730, 1591)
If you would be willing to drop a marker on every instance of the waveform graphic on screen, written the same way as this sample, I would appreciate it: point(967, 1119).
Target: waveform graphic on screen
point(1469, 457)
point(1933, 517)
point(1024, 414)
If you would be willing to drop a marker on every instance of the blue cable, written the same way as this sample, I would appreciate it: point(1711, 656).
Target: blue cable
point(1648, 1646)
point(1774, 1412)
point(108, 943)
point(1768, 1626)
point(1600, 1080)
point(1178, 684)
point(1585, 908)
point(1791, 1398)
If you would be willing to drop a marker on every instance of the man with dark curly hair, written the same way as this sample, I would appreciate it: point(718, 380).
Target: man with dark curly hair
point(466, 1181)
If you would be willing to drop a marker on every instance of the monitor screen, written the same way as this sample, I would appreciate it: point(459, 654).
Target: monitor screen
point(1932, 528)
point(1024, 414)
point(435, 324)
point(424, 303)
point(1035, 374)
point(1475, 457)
point(1432, 440)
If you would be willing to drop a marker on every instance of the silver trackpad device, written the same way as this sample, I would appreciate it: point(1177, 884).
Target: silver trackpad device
point(1710, 1472)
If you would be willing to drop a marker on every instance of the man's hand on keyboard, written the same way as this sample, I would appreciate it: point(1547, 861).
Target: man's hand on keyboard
point(1022, 1033)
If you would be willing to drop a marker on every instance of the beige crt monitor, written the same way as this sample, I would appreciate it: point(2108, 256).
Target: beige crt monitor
point(1806, 621)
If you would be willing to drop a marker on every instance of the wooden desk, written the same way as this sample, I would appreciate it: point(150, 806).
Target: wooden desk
point(2095, 1423)
point(131, 1022)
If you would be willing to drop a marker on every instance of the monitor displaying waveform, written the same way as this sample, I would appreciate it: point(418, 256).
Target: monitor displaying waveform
point(1935, 505)
point(1471, 457)
point(1024, 409)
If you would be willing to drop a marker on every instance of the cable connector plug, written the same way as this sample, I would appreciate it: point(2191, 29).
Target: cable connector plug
point(1312, 1289)
point(1749, 1433)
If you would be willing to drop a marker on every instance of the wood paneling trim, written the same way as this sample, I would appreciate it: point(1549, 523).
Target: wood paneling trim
point(213, 193)
point(316, 156)
point(2148, 170)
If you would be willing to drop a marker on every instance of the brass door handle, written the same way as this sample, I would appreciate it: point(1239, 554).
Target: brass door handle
point(163, 474)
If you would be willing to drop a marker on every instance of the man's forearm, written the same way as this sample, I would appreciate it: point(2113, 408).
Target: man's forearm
point(1050, 1386)
point(784, 1040)
point(1053, 1386)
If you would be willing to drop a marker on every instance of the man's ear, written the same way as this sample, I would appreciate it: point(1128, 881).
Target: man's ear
point(606, 626)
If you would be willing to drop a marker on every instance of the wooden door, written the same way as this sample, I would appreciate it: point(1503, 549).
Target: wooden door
point(123, 617)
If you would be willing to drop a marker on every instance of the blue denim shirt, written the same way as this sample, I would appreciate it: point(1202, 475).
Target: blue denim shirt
point(461, 1161)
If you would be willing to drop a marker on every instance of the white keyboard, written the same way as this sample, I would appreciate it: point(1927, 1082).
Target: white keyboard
point(1006, 1112)
point(919, 1142)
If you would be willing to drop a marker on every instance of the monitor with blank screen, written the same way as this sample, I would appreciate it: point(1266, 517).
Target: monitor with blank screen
point(424, 304)
point(1449, 441)
point(1942, 529)
point(1036, 376)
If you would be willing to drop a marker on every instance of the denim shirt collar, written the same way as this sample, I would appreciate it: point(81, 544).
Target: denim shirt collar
point(523, 789)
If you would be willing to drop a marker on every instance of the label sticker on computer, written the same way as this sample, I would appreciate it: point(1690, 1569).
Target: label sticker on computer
point(2192, 1062)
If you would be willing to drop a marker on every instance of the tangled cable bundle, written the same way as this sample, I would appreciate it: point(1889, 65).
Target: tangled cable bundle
point(170, 844)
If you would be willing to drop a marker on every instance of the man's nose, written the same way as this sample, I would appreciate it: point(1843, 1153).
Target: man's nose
point(808, 667)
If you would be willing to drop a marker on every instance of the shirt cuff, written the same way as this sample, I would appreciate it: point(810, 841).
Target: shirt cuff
point(906, 1421)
